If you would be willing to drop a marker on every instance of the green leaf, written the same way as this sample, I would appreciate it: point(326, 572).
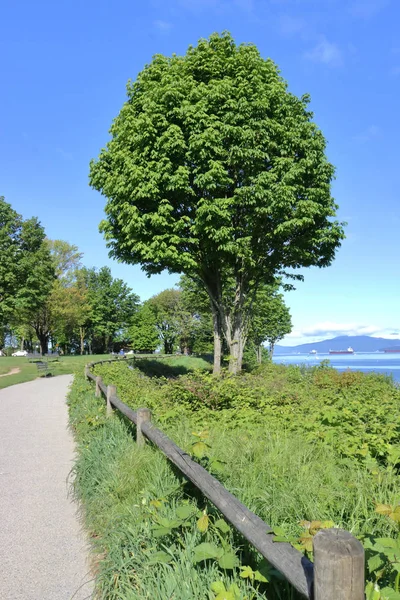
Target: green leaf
point(372, 591)
point(205, 551)
point(161, 531)
point(218, 587)
point(225, 596)
point(160, 557)
point(228, 560)
point(184, 511)
point(374, 563)
point(202, 523)
point(199, 449)
point(246, 572)
point(388, 593)
point(222, 526)
point(260, 577)
point(387, 542)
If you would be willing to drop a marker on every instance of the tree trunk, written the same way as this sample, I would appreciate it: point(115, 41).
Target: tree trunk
point(90, 346)
point(259, 354)
point(235, 333)
point(44, 343)
point(236, 351)
point(168, 347)
point(22, 342)
point(271, 349)
point(217, 341)
point(82, 336)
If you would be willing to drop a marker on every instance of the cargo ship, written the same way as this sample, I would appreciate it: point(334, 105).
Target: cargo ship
point(392, 350)
point(348, 351)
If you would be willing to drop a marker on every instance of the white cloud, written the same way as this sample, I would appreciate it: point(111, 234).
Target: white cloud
point(218, 6)
point(326, 53)
point(289, 25)
point(370, 133)
point(365, 9)
point(330, 329)
point(162, 25)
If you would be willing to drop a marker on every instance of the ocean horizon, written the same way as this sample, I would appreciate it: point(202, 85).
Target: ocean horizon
point(366, 362)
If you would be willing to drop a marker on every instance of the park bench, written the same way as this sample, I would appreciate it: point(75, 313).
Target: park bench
point(42, 367)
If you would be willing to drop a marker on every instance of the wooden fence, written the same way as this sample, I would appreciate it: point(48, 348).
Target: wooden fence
point(338, 569)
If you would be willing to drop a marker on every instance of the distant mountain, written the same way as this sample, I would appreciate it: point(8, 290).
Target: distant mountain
point(359, 343)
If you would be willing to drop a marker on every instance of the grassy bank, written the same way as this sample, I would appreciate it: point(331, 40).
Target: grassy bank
point(295, 445)
point(27, 371)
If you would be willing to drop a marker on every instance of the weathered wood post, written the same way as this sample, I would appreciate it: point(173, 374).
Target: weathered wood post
point(98, 390)
point(338, 566)
point(86, 371)
point(143, 415)
point(111, 391)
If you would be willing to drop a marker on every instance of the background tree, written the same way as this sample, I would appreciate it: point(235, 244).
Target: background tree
point(166, 308)
point(196, 311)
point(143, 333)
point(26, 267)
point(216, 170)
point(113, 305)
point(270, 320)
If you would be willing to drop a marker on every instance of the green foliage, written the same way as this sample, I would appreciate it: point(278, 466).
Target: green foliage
point(143, 333)
point(216, 170)
point(26, 269)
point(113, 305)
point(270, 319)
point(142, 518)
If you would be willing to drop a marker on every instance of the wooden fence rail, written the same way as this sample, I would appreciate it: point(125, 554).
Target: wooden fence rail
point(338, 569)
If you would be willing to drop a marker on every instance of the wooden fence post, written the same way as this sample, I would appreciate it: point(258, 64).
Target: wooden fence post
point(338, 566)
point(98, 390)
point(86, 371)
point(111, 391)
point(143, 415)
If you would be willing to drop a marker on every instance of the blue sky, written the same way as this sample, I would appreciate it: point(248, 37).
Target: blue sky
point(64, 67)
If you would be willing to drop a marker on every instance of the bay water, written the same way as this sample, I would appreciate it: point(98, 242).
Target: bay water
point(388, 364)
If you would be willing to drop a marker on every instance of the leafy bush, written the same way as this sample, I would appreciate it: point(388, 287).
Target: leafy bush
point(298, 446)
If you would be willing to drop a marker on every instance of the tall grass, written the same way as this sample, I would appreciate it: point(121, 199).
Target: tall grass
point(283, 476)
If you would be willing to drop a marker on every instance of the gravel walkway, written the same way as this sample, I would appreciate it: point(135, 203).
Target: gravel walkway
point(43, 553)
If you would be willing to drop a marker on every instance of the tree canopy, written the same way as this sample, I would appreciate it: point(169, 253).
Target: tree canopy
point(216, 170)
point(26, 268)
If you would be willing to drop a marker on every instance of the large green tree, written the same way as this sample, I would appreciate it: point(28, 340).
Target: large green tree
point(26, 268)
point(216, 170)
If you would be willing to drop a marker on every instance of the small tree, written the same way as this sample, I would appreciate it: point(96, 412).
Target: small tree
point(216, 170)
point(143, 332)
point(166, 309)
point(270, 320)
